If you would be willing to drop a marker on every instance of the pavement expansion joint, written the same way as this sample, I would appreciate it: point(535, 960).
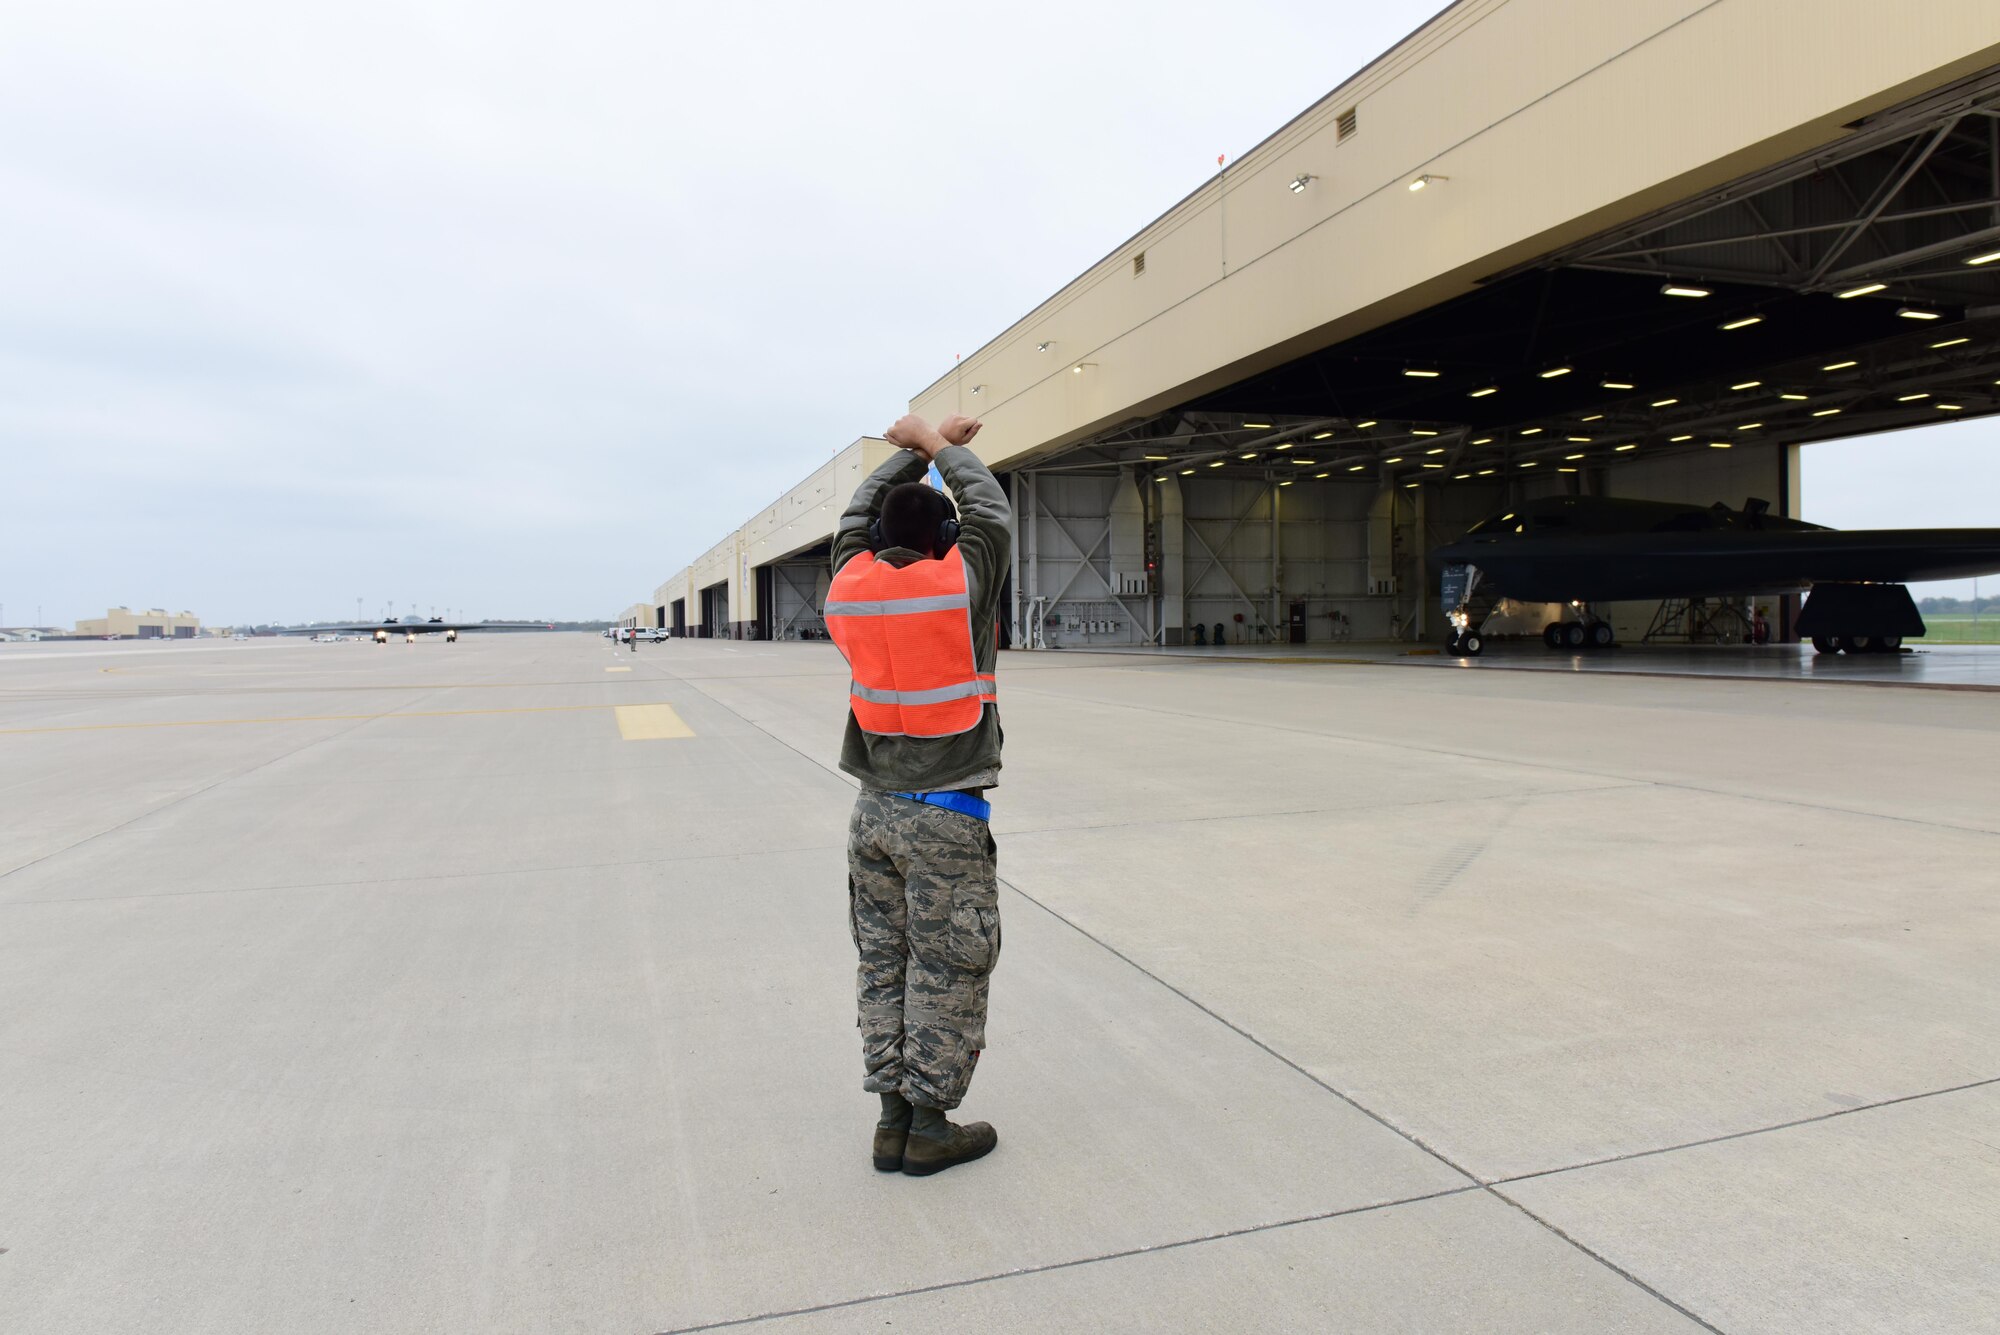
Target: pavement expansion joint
point(1073, 1263)
point(1607, 1262)
point(1744, 1134)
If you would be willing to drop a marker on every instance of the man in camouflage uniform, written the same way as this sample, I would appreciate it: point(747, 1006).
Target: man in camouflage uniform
point(922, 889)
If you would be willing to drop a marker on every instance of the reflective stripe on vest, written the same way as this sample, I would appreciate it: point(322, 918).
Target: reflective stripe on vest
point(906, 632)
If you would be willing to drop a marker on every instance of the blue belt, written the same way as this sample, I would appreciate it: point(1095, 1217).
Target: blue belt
point(963, 802)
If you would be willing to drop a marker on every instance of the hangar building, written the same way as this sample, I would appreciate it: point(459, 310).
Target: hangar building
point(155, 624)
point(1644, 249)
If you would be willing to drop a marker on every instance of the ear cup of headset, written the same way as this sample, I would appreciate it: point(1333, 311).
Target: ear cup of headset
point(875, 535)
point(947, 535)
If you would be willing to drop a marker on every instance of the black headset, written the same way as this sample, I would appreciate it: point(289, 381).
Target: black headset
point(947, 534)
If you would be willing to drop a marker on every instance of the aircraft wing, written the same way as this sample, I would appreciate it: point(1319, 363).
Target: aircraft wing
point(419, 627)
point(1611, 567)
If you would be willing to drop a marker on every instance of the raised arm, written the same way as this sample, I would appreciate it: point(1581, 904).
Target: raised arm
point(985, 535)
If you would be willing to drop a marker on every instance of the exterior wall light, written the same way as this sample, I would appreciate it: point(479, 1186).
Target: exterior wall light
point(1045, 345)
point(1298, 183)
point(1425, 180)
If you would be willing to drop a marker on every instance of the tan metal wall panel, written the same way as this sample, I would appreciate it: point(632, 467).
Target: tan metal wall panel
point(1553, 119)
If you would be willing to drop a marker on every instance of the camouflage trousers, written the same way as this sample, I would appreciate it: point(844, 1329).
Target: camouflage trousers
point(924, 907)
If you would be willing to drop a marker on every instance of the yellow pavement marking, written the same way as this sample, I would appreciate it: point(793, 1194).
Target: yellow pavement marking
point(305, 718)
point(622, 669)
point(650, 723)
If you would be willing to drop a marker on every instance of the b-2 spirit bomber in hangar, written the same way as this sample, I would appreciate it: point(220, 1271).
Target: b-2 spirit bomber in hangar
point(1577, 551)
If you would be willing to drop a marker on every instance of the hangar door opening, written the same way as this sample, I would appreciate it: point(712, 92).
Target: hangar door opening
point(715, 612)
point(791, 596)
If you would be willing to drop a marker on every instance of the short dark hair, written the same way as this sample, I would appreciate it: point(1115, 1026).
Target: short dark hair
point(912, 513)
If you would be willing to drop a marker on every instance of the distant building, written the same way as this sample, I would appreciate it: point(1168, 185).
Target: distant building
point(155, 624)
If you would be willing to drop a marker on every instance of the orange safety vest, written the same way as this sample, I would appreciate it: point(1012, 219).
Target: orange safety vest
point(906, 632)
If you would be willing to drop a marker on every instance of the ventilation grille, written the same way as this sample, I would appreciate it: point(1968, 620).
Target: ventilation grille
point(1139, 264)
point(1346, 123)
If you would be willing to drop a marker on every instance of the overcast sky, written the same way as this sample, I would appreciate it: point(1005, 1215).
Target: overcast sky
point(514, 309)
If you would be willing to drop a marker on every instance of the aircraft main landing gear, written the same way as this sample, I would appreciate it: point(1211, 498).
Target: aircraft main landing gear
point(1857, 644)
point(1577, 636)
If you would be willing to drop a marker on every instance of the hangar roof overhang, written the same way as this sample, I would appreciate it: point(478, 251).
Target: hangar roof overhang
point(1850, 290)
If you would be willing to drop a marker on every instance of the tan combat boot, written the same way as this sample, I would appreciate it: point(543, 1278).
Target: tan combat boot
point(935, 1144)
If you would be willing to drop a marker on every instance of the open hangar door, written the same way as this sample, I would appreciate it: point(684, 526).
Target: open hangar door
point(1682, 357)
point(791, 595)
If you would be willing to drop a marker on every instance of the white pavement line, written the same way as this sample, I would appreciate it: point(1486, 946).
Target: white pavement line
point(1070, 1264)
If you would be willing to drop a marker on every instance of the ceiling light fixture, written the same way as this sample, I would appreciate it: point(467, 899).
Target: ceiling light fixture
point(1678, 439)
point(1415, 432)
point(1186, 471)
point(1322, 475)
point(1396, 459)
point(1917, 313)
point(1865, 290)
point(1623, 448)
point(1616, 384)
point(1578, 440)
point(1324, 435)
point(1488, 440)
point(1482, 393)
point(1363, 426)
point(1749, 426)
point(1987, 258)
point(1665, 403)
point(1530, 464)
point(1283, 445)
point(1438, 467)
point(1826, 412)
point(1460, 477)
point(1438, 450)
point(1162, 477)
point(1793, 398)
point(1747, 384)
point(1285, 483)
point(1679, 290)
point(1745, 322)
point(1572, 457)
point(1217, 464)
point(1911, 398)
point(1555, 371)
point(1157, 458)
point(1486, 472)
point(1532, 431)
point(1951, 343)
point(1720, 445)
point(1251, 455)
point(1948, 407)
point(1417, 373)
point(1838, 366)
point(1357, 468)
point(1594, 417)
